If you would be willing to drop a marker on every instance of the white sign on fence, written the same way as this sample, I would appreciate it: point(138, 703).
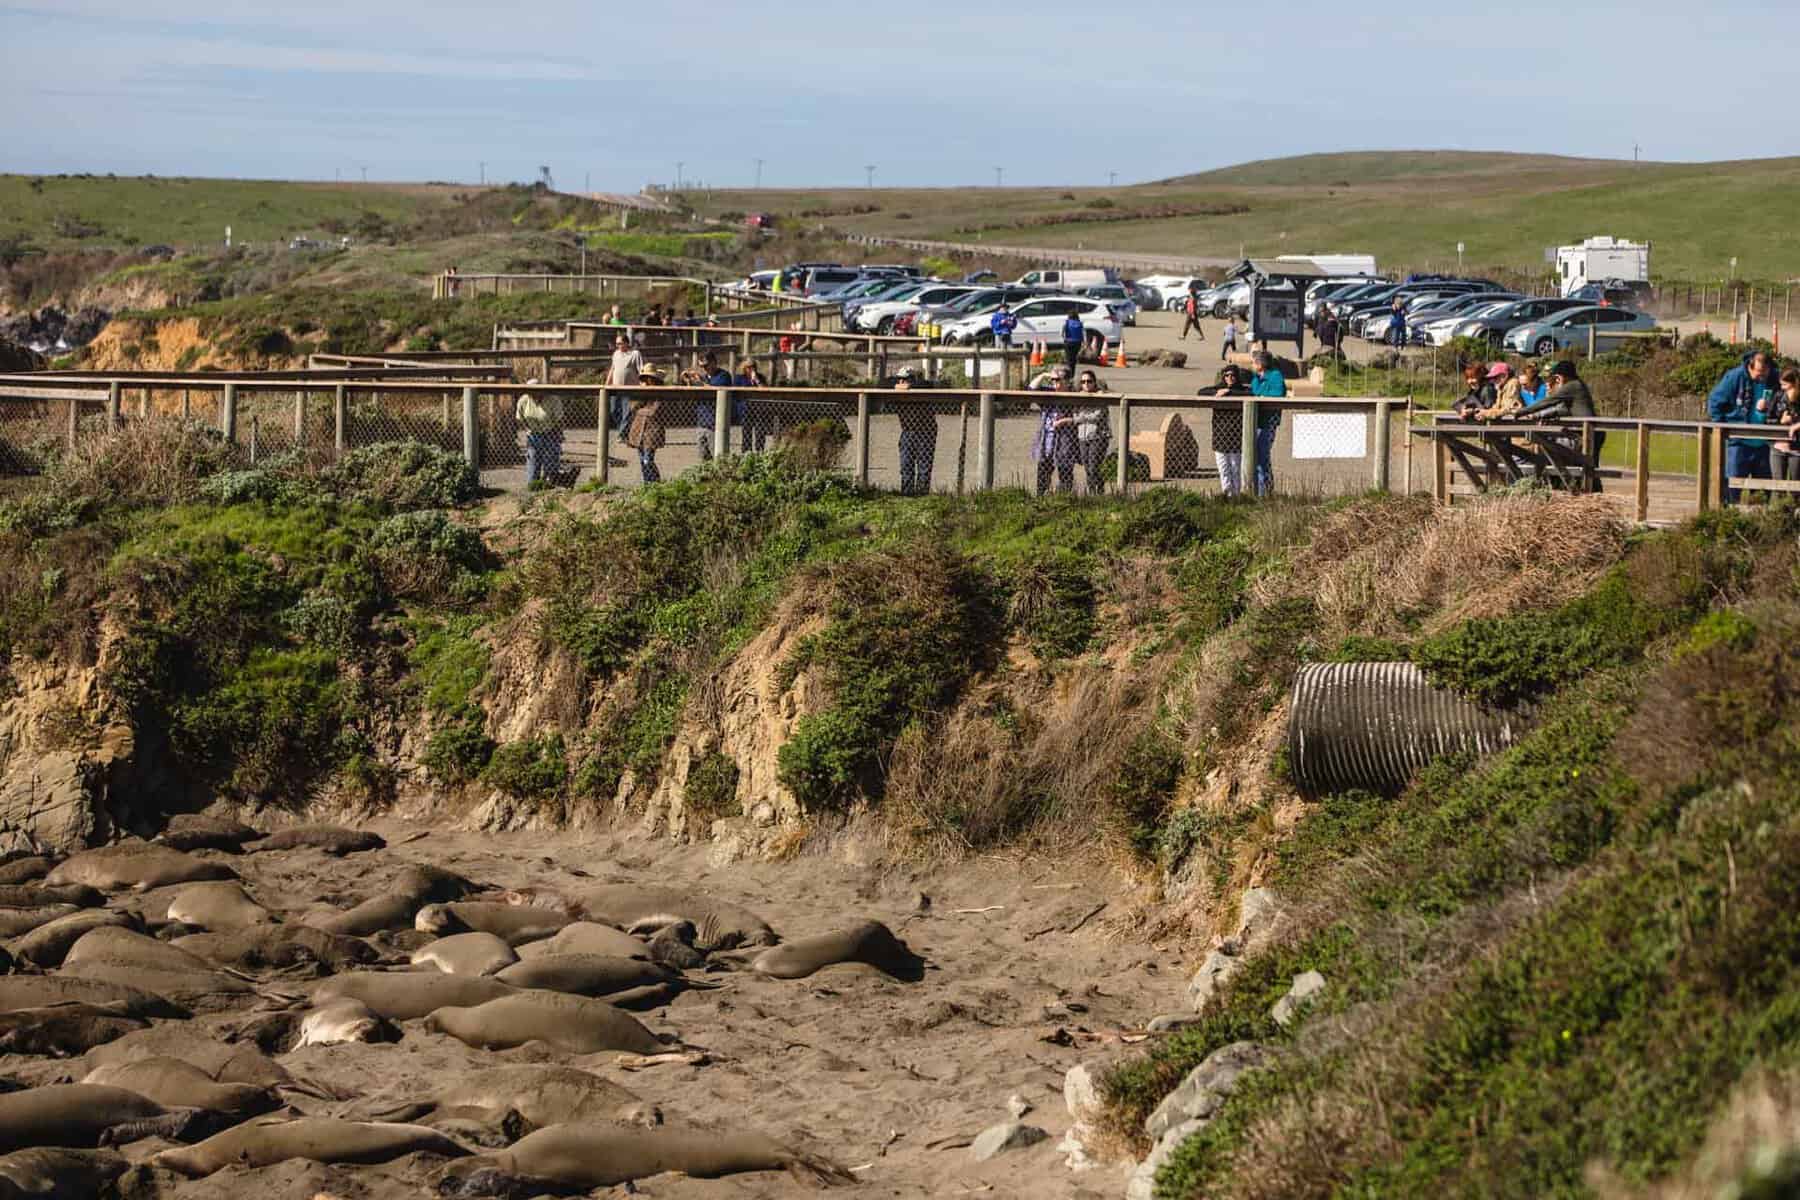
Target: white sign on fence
point(1331, 435)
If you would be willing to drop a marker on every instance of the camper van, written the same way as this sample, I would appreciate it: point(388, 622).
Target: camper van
point(1060, 279)
point(1335, 264)
point(1599, 259)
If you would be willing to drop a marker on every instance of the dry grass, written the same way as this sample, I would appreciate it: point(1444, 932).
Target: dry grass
point(144, 462)
point(1372, 566)
point(1752, 1150)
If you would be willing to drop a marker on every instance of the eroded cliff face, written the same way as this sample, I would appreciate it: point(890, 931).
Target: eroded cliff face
point(67, 770)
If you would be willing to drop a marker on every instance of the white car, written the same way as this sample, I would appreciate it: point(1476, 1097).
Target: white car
point(879, 318)
point(1169, 290)
point(1041, 320)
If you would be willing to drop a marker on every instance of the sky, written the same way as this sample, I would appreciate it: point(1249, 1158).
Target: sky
point(614, 96)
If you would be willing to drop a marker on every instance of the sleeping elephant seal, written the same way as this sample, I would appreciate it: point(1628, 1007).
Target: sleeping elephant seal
point(344, 1020)
point(332, 839)
point(223, 1062)
point(587, 937)
point(114, 955)
point(19, 992)
point(26, 868)
point(176, 1084)
point(538, 1095)
point(586, 974)
point(575, 1159)
point(81, 1114)
point(466, 954)
point(266, 946)
point(515, 923)
point(573, 1023)
point(63, 1030)
point(56, 1173)
point(395, 907)
point(35, 895)
point(409, 995)
point(222, 904)
point(15, 922)
point(195, 831)
point(136, 865)
point(868, 942)
point(270, 1140)
point(47, 944)
point(718, 925)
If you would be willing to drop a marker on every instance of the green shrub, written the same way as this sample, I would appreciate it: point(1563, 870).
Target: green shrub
point(712, 787)
point(1052, 603)
point(459, 752)
point(323, 620)
point(530, 769)
point(252, 485)
point(425, 555)
point(1142, 791)
point(402, 475)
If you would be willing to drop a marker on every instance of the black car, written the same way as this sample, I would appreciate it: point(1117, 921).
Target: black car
point(1617, 293)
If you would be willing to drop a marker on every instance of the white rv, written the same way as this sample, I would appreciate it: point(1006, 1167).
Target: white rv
point(1335, 264)
point(1601, 258)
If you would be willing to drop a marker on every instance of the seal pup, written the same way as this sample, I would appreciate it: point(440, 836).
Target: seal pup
point(538, 1095)
point(34, 895)
point(572, 1023)
point(586, 974)
point(409, 995)
point(139, 866)
point(718, 925)
point(574, 1159)
point(332, 839)
point(477, 953)
point(26, 868)
point(15, 922)
point(216, 906)
point(269, 1140)
point(176, 1084)
point(868, 942)
point(515, 923)
point(63, 1030)
point(38, 991)
point(266, 946)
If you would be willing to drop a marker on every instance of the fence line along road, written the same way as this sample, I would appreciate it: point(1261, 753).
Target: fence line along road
point(1057, 256)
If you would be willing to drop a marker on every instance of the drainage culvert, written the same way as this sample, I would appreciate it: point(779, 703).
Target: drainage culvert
point(1371, 725)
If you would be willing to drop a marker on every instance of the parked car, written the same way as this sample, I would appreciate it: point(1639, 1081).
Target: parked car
point(879, 317)
point(1569, 330)
point(900, 289)
point(1116, 298)
point(1067, 277)
point(977, 300)
point(1613, 292)
point(1495, 323)
point(980, 277)
point(1041, 320)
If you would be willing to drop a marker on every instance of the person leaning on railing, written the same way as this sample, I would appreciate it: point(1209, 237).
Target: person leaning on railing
point(1228, 430)
point(1269, 382)
point(1093, 434)
point(1508, 394)
point(1784, 457)
point(1569, 397)
point(542, 417)
point(1745, 395)
point(643, 428)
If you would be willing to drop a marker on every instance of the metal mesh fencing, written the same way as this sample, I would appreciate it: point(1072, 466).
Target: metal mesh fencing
point(377, 415)
point(32, 432)
point(921, 443)
point(1063, 442)
point(1291, 451)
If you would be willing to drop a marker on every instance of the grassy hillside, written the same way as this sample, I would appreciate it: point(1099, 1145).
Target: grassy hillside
point(1409, 209)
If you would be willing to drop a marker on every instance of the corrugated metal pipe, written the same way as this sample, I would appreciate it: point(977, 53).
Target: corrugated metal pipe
point(1372, 724)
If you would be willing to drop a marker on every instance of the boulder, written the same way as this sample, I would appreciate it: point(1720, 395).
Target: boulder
point(1163, 358)
point(1211, 978)
point(1142, 1184)
point(1081, 1091)
point(1258, 911)
point(1008, 1135)
point(55, 801)
point(1206, 1088)
point(1307, 986)
point(1172, 1023)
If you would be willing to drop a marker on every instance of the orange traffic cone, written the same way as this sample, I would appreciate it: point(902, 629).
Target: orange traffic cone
point(1037, 354)
point(1120, 362)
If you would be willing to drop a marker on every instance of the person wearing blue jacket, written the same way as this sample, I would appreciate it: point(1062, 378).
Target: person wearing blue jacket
point(1268, 382)
point(705, 412)
point(1747, 395)
point(1397, 325)
point(1074, 334)
point(1003, 322)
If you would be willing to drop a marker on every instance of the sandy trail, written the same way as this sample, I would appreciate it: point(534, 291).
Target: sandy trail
point(890, 1078)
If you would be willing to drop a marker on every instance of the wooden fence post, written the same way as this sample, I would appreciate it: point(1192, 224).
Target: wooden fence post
point(1703, 473)
point(862, 439)
point(1124, 465)
point(1643, 472)
point(984, 444)
point(1247, 448)
point(340, 418)
point(1383, 434)
point(228, 413)
point(602, 435)
point(112, 405)
point(471, 430)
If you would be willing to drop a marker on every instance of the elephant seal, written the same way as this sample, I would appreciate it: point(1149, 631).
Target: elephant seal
point(409, 995)
point(176, 1084)
point(575, 1159)
point(113, 955)
point(585, 974)
point(48, 944)
point(19, 992)
point(718, 925)
point(572, 1023)
point(673, 946)
point(136, 865)
point(62, 1030)
point(222, 904)
point(344, 1020)
point(26, 869)
point(119, 942)
point(516, 923)
point(538, 1095)
point(265, 946)
point(413, 887)
point(868, 942)
point(224, 1062)
point(17, 921)
point(80, 1114)
point(332, 839)
point(466, 954)
point(56, 1173)
point(34, 895)
point(194, 831)
point(586, 937)
point(270, 1140)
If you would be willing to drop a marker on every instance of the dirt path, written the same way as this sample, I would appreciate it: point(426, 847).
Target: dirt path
point(1028, 974)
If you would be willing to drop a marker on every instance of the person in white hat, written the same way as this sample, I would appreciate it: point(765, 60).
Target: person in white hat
point(542, 417)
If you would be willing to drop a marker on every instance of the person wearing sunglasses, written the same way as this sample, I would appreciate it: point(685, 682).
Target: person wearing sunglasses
point(1093, 432)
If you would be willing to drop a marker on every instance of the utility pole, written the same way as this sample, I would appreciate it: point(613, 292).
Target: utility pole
point(759, 163)
point(587, 185)
point(678, 167)
point(999, 174)
point(869, 181)
point(1634, 151)
point(1112, 179)
point(484, 174)
point(365, 172)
